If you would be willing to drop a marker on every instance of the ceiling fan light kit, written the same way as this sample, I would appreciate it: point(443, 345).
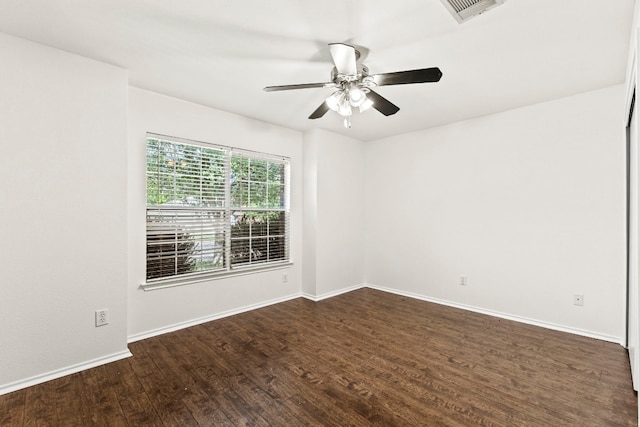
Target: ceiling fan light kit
point(355, 85)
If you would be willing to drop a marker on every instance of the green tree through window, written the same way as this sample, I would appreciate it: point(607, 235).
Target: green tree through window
point(211, 209)
point(258, 219)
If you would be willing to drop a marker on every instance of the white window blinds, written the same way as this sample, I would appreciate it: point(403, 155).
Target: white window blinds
point(213, 209)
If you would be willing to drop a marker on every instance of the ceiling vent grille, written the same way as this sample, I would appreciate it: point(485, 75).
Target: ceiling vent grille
point(464, 10)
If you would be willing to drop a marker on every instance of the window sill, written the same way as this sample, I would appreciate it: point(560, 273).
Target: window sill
point(170, 283)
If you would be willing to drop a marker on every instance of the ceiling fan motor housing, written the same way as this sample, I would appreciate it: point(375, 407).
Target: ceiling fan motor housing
point(339, 79)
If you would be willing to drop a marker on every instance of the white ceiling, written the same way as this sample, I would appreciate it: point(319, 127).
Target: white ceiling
point(221, 53)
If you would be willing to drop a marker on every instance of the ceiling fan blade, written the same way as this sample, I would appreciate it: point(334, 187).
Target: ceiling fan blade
point(320, 111)
point(423, 75)
point(382, 104)
point(344, 58)
point(300, 86)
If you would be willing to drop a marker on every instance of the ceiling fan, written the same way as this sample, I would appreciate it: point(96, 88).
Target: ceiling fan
point(355, 85)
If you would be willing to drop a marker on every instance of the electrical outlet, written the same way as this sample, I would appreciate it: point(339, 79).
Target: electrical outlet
point(578, 300)
point(285, 278)
point(102, 317)
point(463, 280)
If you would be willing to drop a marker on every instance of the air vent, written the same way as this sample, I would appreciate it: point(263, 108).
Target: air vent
point(463, 10)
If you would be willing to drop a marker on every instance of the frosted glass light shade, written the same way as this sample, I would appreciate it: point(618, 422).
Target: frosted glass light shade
point(345, 108)
point(334, 100)
point(366, 105)
point(356, 97)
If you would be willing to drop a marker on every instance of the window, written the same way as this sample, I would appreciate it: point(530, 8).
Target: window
point(213, 210)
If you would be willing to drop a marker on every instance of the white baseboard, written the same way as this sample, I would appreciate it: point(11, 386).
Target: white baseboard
point(205, 319)
point(58, 373)
point(326, 295)
point(547, 325)
point(38, 379)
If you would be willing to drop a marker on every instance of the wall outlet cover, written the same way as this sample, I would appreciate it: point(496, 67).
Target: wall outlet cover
point(102, 317)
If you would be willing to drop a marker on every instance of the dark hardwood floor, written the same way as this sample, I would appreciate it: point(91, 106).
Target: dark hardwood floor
point(362, 358)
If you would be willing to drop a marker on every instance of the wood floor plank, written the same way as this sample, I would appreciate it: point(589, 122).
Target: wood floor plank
point(374, 351)
point(13, 408)
point(499, 368)
point(139, 410)
point(71, 404)
point(161, 388)
point(334, 346)
point(102, 401)
point(41, 405)
point(362, 362)
point(240, 383)
point(362, 358)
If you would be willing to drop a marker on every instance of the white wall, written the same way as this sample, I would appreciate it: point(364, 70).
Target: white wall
point(310, 213)
point(333, 213)
point(157, 311)
point(631, 85)
point(63, 212)
point(528, 204)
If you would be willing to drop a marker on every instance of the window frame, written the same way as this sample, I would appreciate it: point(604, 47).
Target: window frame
point(228, 269)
